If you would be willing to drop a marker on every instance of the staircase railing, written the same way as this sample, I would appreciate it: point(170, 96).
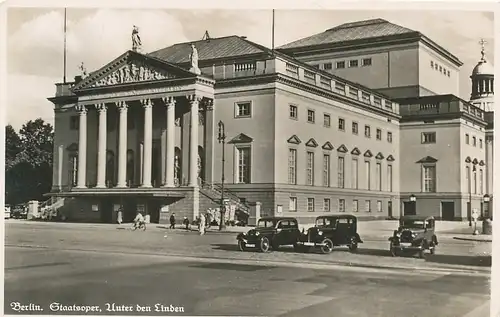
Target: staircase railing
point(228, 194)
point(48, 208)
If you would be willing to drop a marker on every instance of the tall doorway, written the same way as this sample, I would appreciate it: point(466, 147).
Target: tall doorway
point(410, 208)
point(448, 210)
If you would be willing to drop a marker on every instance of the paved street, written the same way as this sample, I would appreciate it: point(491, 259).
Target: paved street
point(205, 275)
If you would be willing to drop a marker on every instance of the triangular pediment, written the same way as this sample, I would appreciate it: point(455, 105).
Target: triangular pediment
point(294, 140)
point(475, 161)
point(73, 147)
point(368, 153)
point(391, 158)
point(342, 149)
point(355, 151)
point(132, 67)
point(312, 143)
point(427, 159)
point(327, 146)
point(481, 163)
point(379, 156)
point(241, 138)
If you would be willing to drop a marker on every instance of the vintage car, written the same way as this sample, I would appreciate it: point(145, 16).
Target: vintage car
point(330, 231)
point(270, 232)
point(415, 233)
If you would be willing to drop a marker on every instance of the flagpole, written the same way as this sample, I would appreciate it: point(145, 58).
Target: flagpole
point(273, 34)
point(64, 67)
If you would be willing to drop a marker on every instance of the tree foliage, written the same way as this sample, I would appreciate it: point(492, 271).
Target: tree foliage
point(28, 168)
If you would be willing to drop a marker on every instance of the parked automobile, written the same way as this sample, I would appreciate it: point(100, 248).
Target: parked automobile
point(19, 212)
point(415, 233)
point(7, 212)
point(270, 232)
point(330, 231)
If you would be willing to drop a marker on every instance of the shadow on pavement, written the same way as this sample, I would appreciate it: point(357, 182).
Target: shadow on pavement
point(484, 261)
point(234, 247)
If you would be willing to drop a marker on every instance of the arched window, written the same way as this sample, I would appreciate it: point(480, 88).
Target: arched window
point(110, 168)
point(130, 168)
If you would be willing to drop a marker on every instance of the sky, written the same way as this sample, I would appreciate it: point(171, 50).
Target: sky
point(97, 36)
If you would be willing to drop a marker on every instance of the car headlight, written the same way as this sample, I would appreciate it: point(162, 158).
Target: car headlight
point(413, 235)
point(257, 233)
point(320, 233)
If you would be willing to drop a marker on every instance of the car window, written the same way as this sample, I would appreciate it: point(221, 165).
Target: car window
point(265, 224)
point(283, 224)
point(342, 220)
point(294, 224)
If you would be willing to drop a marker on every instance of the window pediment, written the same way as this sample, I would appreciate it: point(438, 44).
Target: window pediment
point(294, 140)
point(241, 138)
point(475, 161)
point(342, 149)
point(312, 143)
point(427, 159)
point(391, 158)
point(468, 159)
point(368, 153)
point(379, 156)
point(481, 163)
point(355, 151)
point(327, 146)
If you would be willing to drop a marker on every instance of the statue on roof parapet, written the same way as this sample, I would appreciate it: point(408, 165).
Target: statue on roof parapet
point(83, 70)
point(136, 40)
point(193, 57)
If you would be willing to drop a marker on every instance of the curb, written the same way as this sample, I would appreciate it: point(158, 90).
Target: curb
point(473, 239)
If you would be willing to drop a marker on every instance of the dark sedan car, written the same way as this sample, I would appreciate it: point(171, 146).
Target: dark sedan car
point(415, 233)
point(270, 232)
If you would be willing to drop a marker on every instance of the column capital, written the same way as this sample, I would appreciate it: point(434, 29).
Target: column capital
point(101, 107)
point(121, 105)
point(81, 109)
point(208, 104)
point(147, 103)
point(168, 101)
point(194, 98)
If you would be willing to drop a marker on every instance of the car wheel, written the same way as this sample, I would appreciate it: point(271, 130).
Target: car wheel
point(353, 246)
point(393, 250)
point(241, 245)
point(264, 244)
point(327, 246)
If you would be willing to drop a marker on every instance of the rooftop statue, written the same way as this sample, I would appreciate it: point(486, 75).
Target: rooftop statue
point(193, 57)
point(83, 70)
point(136, 40)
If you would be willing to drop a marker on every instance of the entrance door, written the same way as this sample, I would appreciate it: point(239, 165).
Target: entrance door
point(106, 209)
point(389, 209)
point(410, 208)
point(448, 210)
point(156, 178)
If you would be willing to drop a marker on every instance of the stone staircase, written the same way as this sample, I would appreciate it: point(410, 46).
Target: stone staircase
point(48, 209)
point(214, 192)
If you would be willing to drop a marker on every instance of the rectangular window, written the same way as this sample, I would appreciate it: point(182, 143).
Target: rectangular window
point(340, 170)
point(353, 63)
point(467, 178)
point(367, 175)
point(432, 64)
point(341, 124)
point(367, 131)
point(326, 170)
point(244, 170)
point(474, 141)
point(327, 66)
point(379, 134)
point(379, 206)
point(310, 168)
point(74, 122)
point(467, 141)
point(368, 205)
point(292, 166)
point(367, 61)
point(244, 109)
point(378, 168)
point(480, 143)
point(315, 66)
point(341, 205)
point(310, 204)
point(310, 116)
point(481, 181)
point(448, 73)
point(429, 179)
point(326, 204)
point(354, 128)
point(389, 177)
point(326, 120)
point(428, 137)
point(293, 204)
point(475, 182)
point(435, 66)
point(355, 173)
point(340, 64)
point(293, 112)
point(355, 206)
point(440, 69)
point(389, 137)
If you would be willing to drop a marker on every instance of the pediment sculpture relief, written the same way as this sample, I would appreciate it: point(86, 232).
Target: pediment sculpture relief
point(133, 72)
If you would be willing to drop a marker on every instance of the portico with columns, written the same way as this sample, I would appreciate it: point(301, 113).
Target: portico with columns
point(158, 118)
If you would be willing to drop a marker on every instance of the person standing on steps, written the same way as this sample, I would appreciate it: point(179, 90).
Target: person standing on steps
point(172, 221)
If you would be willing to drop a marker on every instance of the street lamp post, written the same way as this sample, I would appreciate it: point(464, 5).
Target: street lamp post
point(222, 140)
point(486, 215)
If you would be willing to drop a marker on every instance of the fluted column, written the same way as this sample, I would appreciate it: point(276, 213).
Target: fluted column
point(101, 146)
point(209, 136)
point(122, 144)
point(193, 141)
point(170, 142)
point(82, 147)
point(148, 142)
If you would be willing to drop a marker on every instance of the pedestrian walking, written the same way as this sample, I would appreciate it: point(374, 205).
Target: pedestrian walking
point(202, 224)
point(172, 221)
point(186, 222)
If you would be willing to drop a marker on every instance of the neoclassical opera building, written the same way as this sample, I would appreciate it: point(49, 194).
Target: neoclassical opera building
point(363, 118)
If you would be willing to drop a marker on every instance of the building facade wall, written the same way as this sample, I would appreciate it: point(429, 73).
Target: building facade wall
point(433, 72)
